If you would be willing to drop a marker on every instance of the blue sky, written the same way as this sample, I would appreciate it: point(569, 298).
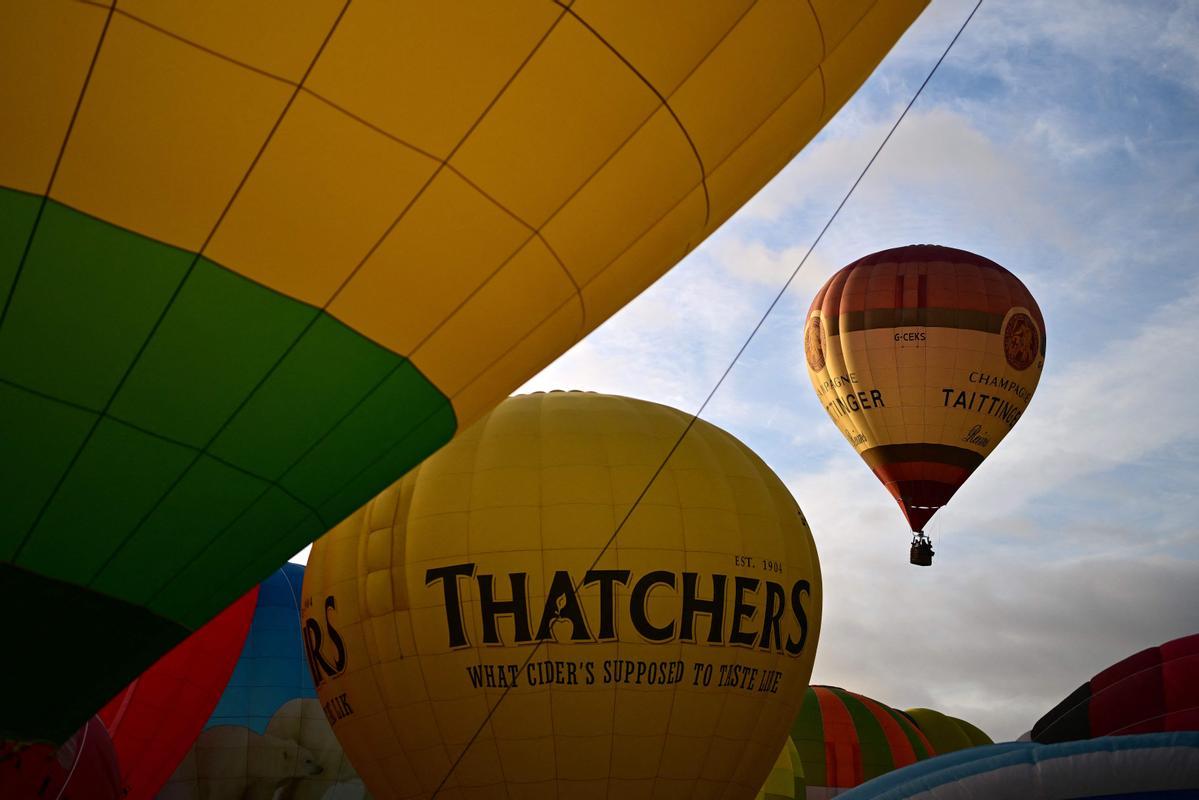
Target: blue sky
point(1061, 140)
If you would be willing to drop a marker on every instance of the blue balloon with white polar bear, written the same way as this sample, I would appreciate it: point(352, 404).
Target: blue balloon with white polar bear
point(267, 736)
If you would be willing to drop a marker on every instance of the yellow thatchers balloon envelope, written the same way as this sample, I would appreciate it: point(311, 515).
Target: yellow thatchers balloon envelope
point(480, 594)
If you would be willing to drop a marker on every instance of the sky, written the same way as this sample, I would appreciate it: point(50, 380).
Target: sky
point(1060, 139)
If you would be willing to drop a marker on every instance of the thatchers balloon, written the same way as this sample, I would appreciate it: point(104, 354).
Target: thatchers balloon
point(494, 621)
point(924, 357)
point(1152, 766)
point(845, 739)
point(257, 261)
point(1154, 690)
point(154, 720)
point(268, 732)
point(84, 767)
point(947, 734)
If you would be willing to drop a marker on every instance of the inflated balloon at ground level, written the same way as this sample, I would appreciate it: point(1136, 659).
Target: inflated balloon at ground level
point(268, 736)
point(1153, 766)
point(947, 734)
point(925, 357)
point(1151, 691)
point(517, 614)
point(845, 739)
point(154, 720)
point(226, 323)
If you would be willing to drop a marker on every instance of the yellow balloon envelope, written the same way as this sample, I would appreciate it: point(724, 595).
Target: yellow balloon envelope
point(945, 733)
point(259, 259)
point(469, 630)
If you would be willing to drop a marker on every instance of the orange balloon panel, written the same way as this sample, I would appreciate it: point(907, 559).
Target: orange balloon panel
point(925, 357)
point(479, 594)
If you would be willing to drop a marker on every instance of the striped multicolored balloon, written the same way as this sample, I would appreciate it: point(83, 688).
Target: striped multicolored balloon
point(845, 739)
point(1152, 691)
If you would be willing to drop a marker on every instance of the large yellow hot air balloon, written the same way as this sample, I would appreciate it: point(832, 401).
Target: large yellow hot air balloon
point(924, 357)
point(259, 259)
point(472, 629)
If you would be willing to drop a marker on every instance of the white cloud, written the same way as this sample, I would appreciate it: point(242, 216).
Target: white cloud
point(937, 179)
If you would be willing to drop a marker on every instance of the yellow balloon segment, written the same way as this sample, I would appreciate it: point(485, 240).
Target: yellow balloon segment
point(786, 778)
point(472, 186)
point(945, 733)
point(488, 627)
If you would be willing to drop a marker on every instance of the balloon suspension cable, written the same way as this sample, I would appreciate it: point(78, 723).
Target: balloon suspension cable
point(724, 375)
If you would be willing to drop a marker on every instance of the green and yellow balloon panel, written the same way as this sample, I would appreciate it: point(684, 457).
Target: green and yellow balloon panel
point(256, 262)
